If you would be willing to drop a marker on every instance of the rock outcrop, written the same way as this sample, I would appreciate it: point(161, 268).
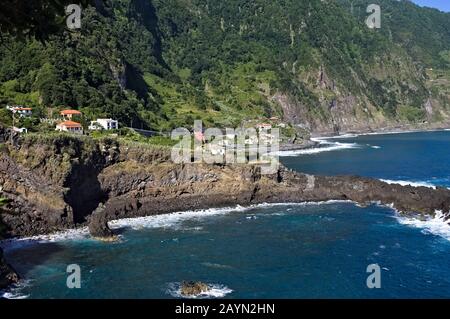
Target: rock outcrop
point(7, 274)
point(193, 288)
point(98, 225)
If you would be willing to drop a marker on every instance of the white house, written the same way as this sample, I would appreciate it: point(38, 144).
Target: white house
point(22, 111)
point(20, 129)
point(70, 126)
point(104, 124)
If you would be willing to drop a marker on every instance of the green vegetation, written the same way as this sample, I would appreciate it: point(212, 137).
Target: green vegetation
point(423, 32)
point(161, 64)
point(36, 19)
point(410, 114)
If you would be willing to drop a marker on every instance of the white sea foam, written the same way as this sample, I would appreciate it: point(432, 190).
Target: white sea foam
point(70, 234)
point(324, 146)
point(175, 220)
point(172, 220)
point(436, 225)
point(12, 295)
point(15, 291)
point(353, 135)
point(409, 183)
point(215, 291)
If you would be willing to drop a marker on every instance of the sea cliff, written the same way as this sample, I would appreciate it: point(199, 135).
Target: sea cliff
point(57, 182)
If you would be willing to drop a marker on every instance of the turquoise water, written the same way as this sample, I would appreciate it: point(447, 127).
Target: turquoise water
point(269, 251)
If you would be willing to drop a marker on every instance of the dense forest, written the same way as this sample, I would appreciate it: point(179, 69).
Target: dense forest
point(160, 64)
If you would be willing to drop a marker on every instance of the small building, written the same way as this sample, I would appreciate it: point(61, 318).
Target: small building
point(21, 111)
point(70, 126)
point(68, 114)
point(263, 126)
point(104, 124)
point(20, 129)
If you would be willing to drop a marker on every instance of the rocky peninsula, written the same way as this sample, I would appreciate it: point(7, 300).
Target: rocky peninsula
point(57, 182)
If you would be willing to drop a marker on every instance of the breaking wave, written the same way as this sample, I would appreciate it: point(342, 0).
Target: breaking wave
point(436, 225)
point(14, 292)
point(70, 234)
point(409, 183)
point(175, 220)
point(324, 146)
point(172, 220)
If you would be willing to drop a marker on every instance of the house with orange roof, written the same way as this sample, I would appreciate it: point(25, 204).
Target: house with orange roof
point(70, 126)
point(68, 114)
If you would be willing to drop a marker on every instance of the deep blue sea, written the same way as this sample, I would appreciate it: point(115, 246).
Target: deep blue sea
point(268, 251)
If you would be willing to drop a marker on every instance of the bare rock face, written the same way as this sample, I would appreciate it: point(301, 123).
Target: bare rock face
point(7, 274)
point(193, 288)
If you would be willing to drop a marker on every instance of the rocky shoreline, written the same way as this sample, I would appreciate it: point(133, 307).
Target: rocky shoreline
point(63, 182)
point(8, 276)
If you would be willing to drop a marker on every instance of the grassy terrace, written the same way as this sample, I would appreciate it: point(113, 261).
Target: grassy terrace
point(123, 136)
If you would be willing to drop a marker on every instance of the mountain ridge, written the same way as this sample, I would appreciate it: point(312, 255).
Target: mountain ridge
point(315, 64)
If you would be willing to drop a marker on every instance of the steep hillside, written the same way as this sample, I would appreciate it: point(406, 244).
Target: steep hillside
point(163, 63)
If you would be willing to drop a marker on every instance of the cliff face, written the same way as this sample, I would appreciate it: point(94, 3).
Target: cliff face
point(58, 183)
point(7, 275)
point(55, 183)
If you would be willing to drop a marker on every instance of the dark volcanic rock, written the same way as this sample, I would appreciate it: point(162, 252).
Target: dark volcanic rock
point(98, 224)
point(7, 274)
point(193, 288)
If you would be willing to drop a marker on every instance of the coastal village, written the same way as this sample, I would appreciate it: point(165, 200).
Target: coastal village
point(68, 121)
point(73, 121)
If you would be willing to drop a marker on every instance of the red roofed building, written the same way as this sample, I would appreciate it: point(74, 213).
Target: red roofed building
point(69, 113)
point(70, 126)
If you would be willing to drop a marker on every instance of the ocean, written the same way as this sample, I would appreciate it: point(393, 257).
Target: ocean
point(304, 250)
